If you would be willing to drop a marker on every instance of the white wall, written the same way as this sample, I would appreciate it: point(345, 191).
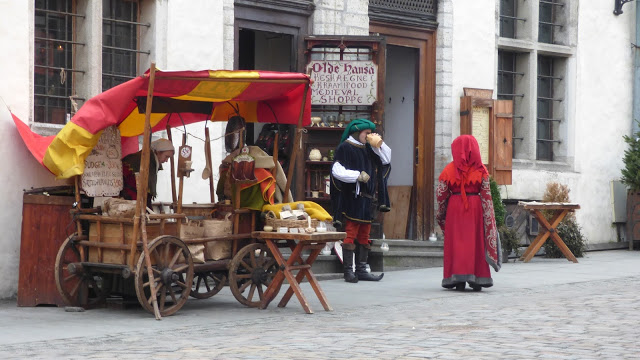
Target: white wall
point(20, 170)
point(600, 78)
point(192, 40)
point(473, 51)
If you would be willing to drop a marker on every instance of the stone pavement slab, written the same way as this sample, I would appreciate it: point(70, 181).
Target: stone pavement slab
point(547, 308)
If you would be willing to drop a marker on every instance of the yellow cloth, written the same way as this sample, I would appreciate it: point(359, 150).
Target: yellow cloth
point(313, 209)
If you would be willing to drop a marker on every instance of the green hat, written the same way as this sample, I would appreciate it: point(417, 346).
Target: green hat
point(357, 125)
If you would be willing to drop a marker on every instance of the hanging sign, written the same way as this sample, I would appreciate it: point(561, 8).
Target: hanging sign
point(343, 82)
point(103, 168)
point(480, 130)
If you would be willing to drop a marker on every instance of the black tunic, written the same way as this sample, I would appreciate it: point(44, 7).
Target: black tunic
point(346, 204)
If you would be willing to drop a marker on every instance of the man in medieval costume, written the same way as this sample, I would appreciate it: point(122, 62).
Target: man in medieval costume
point(358, 191)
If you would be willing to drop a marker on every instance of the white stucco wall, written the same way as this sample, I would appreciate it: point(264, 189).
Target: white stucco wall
point(20, 170)
point(598, 109)
point(473, 51)
point(193, 39)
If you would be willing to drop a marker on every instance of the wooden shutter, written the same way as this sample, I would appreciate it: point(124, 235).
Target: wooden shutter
point(502, 141)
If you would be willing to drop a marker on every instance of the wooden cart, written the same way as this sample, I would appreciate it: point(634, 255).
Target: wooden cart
point(146, 248)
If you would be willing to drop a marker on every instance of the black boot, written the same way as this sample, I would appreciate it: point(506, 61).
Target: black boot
point(347, 262)
point(361, 265)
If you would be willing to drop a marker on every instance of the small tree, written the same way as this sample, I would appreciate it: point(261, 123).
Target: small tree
point(631, 159)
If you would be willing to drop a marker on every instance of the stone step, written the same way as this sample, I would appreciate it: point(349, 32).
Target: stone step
point(409, 245)
point(403, 257)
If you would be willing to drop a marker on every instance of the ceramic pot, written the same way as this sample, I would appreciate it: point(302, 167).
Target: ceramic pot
point(315, 155)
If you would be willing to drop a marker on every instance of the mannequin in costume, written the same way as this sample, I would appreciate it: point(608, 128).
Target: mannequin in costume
point(358, 191)
point(465, 215)
point(161, 151)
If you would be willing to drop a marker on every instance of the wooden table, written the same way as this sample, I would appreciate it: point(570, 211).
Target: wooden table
point(297, 242)
point(548, 228)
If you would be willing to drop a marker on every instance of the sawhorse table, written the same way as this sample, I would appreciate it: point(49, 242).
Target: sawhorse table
point(297, 243)
point(548, 228)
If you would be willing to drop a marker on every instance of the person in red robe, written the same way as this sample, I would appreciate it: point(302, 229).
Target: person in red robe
point(465, 215)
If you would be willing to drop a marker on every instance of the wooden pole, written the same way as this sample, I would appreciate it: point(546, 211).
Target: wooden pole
point(143, 185)
point(173, 170)
point(274, 171)
point(76, 180)
point(296, 145)
point(207, 156)
point(181, 186)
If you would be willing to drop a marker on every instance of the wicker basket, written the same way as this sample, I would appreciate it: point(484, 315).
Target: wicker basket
point(272, 220)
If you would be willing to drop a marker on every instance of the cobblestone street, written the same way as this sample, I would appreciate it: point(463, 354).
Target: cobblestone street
point(588, 319)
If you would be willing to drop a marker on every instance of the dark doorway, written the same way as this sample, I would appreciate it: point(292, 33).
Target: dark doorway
point(272, 51)
point(262, 50)
point(400, 109)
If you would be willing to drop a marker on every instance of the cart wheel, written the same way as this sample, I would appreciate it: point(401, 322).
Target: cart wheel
point(79, 288)
point(253, 267)
point(169, 270)
point(207, 284)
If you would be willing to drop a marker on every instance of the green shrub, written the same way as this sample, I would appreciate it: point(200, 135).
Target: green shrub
point(571, 233)
point(631, 159)
point(498, 208)
point(509, 240)
point(568, 229)
point(508, 237)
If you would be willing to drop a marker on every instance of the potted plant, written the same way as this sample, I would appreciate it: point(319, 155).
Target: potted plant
point(508, 237)
point(631, 178)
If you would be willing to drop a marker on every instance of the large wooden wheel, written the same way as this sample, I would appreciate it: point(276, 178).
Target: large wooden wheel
point(78, 286)
point(173, 275)
point(250, 272)
point(207, 284)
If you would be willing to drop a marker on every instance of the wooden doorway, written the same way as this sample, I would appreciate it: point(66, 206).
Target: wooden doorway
point(420, 42)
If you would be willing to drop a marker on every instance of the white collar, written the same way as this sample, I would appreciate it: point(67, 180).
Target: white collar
point(353, 140)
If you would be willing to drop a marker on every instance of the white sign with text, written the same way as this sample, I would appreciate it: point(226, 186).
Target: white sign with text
point(103, 168)
point(343, 82)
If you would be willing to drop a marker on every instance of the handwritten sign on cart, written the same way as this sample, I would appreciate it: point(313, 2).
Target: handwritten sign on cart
point(103, 168)
point(343, 82)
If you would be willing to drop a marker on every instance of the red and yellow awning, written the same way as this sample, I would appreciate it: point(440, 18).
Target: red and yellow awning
point(259, 96)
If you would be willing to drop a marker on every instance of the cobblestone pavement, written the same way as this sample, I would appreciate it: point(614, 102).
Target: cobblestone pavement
point(586, 320)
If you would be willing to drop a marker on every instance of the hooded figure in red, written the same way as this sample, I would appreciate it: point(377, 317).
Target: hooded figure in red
point(465, 215)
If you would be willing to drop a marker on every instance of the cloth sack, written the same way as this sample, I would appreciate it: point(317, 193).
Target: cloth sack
point(193, 230)
point(121, 208)
point(221, 249)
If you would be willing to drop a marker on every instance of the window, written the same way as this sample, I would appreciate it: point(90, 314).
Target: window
point(549, 17)
point(120, 40)
point(508, 18)
point(53, 60)
point(532, 76)
point(508, 77)
point(547, 119)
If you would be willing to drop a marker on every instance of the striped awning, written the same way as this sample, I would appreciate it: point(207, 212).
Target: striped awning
point(179, 97)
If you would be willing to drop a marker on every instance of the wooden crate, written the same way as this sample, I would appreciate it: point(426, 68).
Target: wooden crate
point(46, 223)
point(203, 210)
point(121, 233)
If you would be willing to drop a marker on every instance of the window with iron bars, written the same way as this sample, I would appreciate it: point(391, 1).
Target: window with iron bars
point(509, 18)
point(547, 117)
point(508, 75)
point(120, 41)
point(54, 72)
point(549, 20)
point(412, 6)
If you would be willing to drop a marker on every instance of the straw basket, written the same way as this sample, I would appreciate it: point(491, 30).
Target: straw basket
point(272, 220)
